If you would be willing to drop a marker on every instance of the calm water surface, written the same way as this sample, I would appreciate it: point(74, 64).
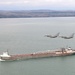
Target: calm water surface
point(26, 35)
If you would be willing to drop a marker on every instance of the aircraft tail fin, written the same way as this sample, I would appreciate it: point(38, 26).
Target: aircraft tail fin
point(72, 35)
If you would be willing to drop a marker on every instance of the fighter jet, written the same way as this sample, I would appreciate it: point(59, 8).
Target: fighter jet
point(68, 37)
point(52, 36)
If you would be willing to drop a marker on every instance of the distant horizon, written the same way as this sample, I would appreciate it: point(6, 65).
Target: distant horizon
point(37, 4)
point(38, 9)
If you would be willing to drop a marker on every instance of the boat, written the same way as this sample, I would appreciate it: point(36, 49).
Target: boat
point(49, 53)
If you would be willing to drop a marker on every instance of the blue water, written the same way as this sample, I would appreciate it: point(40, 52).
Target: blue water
point(27, 35)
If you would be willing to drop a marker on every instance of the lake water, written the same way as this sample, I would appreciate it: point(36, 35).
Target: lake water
point(27, 35)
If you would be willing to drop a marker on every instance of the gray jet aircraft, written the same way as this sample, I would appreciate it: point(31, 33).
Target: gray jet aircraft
point(52, 36)
point(68, 37)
